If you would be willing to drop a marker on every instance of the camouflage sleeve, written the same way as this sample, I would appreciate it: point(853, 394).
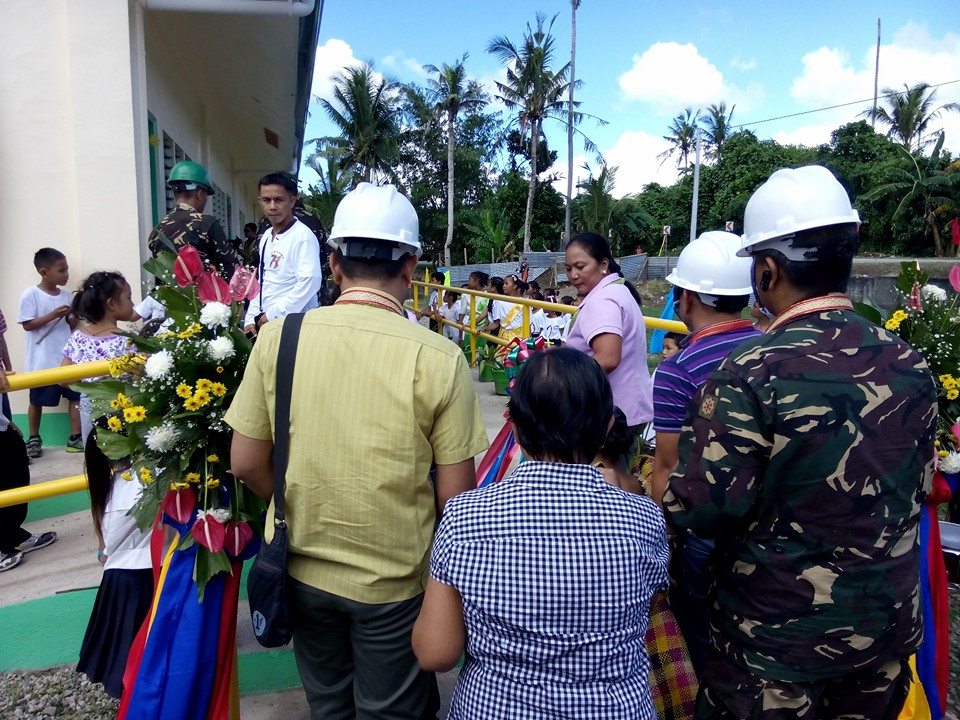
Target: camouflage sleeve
point(222, 252)
point(724, 448)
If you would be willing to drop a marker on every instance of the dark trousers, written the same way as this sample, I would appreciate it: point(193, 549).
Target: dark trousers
point(692, 571)
point(356, 660)
point(14, 473)
point(731, 692)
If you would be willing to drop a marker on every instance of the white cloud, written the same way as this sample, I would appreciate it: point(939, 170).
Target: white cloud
point(831, 76)
point(743, 64)
point(559, 171)
point(398, 62)
point(672, 76)
point(635, 155)
point(807, 135)
point(332, 57)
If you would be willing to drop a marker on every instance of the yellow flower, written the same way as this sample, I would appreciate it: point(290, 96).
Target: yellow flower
point(192, 477)
point(114, 424)
point(115, 404)
point(179, 485)
point(123, 400)
point(212, 482)
point(218, 389)
point(204, 384)
point(191, 403)
point(950, 384)
point(126, 475)
point(184, 390)
point(134, 414)
point(942, 453)
point(953, 394)
point(189, 332)
point(945, 378)
point(213, 457)
point(146, 475)
point(219, 368)
point(202, 397)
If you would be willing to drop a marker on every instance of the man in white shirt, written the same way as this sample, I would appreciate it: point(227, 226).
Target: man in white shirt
point(290, 268)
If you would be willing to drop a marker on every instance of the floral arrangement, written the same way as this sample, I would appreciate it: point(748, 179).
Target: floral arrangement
point(164, 409)
point(929, 319)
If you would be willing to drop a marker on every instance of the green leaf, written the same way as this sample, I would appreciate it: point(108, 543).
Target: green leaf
point(114, 445)
point(161, 266)
point(869, 311)
point(207, 565)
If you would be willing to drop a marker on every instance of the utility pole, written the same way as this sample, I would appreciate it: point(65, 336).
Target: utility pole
point(696, 185)
point(876, 78)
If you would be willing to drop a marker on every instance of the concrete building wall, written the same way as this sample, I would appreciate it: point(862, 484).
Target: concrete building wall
point(68, 169)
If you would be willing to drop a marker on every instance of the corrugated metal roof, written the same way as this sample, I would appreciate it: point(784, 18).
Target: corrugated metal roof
point(460, 273)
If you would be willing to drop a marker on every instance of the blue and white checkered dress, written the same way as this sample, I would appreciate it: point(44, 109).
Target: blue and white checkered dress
point(556, 568)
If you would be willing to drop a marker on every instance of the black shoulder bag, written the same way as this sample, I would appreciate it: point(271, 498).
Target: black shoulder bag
point(267, 581)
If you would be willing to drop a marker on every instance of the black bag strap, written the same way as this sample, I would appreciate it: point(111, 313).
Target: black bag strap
point(286, 359)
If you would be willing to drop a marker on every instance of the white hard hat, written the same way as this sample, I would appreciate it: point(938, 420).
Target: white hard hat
point(370, 217)
point(710, 265)
point(792, 200)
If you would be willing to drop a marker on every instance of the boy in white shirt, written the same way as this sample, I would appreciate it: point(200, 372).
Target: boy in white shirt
point(290, 268)
point(44, 313)
point(450, 310)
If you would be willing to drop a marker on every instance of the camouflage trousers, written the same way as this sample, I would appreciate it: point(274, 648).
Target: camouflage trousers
point(729, 691)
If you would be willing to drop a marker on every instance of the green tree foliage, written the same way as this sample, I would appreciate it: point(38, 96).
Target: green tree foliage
point(621, 220)
point(908, 114)
point(364, 111)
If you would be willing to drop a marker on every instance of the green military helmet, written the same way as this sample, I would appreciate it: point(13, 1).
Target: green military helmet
point(189, 175)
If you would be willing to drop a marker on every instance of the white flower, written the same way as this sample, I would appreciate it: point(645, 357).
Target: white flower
point(932, 292)
point(161, 438)
point(951, 463)
point(159, 364)
point(221, 514)
point(220, 349)
point(215, 313)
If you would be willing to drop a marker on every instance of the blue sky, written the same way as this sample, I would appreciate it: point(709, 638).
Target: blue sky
point(643, 62)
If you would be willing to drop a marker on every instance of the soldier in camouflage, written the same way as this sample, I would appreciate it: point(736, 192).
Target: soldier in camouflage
point(807, 455)
point(187, 225)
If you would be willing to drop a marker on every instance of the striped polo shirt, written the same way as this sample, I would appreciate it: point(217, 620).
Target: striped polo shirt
point(678, 378)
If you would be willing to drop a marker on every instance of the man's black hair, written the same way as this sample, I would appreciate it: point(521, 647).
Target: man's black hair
point(438, 277)
point(287, 181)
point(250, 226)
point(45, 257)
point(677, 337)
point(832, 249)
point(363, 269)
point(561, 406)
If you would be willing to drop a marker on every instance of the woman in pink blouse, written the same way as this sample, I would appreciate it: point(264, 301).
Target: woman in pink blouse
point(609, 325)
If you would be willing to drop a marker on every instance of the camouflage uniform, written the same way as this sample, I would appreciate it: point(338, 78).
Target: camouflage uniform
point(807, 455)
point(185, 226)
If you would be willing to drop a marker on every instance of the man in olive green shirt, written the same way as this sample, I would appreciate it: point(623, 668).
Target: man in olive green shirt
point(376, 400)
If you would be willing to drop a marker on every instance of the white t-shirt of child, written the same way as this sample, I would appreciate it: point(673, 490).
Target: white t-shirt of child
point(452, 313)
point(150, 309)
point(44, 345)
point(537, 318)
point(553, 327)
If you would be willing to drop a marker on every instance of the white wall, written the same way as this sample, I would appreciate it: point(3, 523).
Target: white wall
point(68, 173)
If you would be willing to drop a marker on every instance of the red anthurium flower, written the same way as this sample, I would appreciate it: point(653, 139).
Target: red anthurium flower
point(956, 431)
point(209, 530)
point(212, 288)
point(955, 277)
point(244, 284)
point(180, 504)
point(187, 266)
point(238, 536)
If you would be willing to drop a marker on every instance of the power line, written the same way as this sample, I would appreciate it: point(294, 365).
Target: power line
point(834, 107)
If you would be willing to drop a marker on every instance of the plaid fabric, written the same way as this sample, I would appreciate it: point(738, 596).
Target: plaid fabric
point(556, 568)
point(673, 683)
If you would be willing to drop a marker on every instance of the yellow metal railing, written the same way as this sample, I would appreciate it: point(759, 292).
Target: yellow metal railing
point(38, 378)
point(650, 322)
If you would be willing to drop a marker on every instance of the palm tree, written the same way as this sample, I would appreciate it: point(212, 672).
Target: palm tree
point(452, 92)
point(598, 211)
point(533, 89)
point(334, 183)
point(574, 6)
point(683, 133)
point(927, 181)
point(364, 111)
point(910, 114)
point(716, 128)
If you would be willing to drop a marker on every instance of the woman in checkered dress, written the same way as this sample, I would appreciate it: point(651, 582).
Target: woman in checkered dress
point(545, 579)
